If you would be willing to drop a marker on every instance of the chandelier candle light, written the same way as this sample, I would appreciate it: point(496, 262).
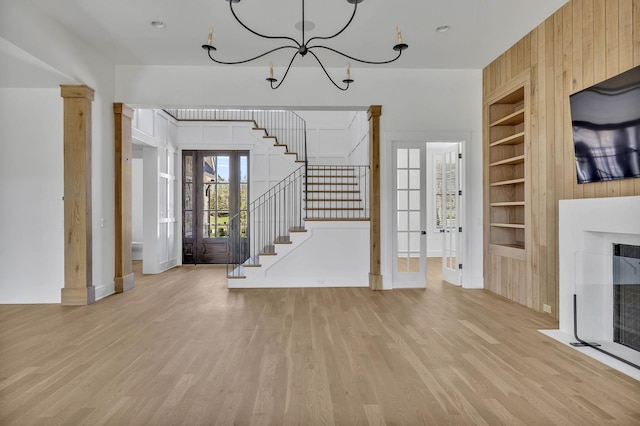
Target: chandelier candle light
point(302, 48)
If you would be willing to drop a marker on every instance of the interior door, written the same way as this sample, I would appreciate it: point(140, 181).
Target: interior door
point(450, 214)
point(410, 243)
point(215, 188)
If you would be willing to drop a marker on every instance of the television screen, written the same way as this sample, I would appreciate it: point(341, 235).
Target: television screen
point(606, 128)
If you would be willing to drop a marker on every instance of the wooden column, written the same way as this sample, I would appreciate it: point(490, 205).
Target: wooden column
point(122, 141)
point(375, 278)
point(78, 288)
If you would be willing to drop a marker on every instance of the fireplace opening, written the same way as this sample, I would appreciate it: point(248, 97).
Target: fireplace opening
point(626, 295)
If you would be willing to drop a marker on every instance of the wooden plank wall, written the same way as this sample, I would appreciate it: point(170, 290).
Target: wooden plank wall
point(583, 43)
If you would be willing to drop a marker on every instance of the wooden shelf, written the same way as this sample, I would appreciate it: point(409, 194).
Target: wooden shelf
point(510, 120)
point(508, 182)
point(508, 204)
point(514, 251)
point(513, 160)
point(508, 225)
point(506, 170)
point(515, 139)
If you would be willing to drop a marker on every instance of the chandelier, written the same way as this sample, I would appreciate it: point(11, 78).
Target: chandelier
point(303, 47)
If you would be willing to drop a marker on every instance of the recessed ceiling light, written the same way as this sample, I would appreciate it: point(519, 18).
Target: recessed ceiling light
point(308, 25)
point(443, 28)
point(157, 24)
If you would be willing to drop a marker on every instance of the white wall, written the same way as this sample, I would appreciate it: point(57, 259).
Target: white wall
point(25, 27)
point(358, 131)
point(31, 189)
point(413, 100)
point(328, 140)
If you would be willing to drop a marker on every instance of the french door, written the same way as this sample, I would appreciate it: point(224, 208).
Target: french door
point(449, 208)
point(410, 242)
point(215, 189)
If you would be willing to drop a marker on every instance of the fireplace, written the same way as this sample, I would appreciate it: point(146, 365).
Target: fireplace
point(589, 229)
point(626, 295)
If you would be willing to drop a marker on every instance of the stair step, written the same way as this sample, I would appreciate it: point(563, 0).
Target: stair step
point(335, 219)
point(333, 208)
point(268, 251)
point(237, 273)
point(282, 240)
point(333, 200)
point(297, 229)
point(330, 168)
point(332, 191)
point(333, 183)
point(252, 262)
point(310, 176)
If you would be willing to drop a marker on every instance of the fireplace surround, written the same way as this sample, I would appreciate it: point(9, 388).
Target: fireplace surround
point(588, 231)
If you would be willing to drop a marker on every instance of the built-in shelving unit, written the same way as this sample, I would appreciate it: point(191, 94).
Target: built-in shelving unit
point(506, 173)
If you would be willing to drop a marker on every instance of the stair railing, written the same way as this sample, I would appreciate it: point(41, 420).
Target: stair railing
point(269, 221)
point(288, 127)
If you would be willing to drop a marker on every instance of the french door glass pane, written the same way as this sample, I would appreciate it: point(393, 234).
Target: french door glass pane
point(188, 224)
point(408, 189)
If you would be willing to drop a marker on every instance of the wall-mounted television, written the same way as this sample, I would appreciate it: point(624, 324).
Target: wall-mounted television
point(606, 129)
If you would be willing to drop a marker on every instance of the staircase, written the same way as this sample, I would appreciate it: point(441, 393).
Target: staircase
point(336, 193)
point(316, 216)
point(279, 221)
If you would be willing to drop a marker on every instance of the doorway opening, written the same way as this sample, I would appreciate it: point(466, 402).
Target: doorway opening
point(427, 181)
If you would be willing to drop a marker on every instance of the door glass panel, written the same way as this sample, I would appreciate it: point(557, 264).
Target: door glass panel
point(403, 179)
point(408, 210)
point(403, 158)
point(414, 198)
point(215, 174)
point(403, 221)
point(414, 221)
point(188, 224)
point(414, 179)
point(403, 200)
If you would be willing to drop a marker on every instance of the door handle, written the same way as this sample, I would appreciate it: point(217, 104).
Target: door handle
point(423, 232)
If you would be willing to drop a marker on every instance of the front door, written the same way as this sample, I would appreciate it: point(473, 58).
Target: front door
point(215, 188)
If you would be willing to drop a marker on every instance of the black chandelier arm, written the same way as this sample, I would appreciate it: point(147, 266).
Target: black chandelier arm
point(328, 76)
point(355, 7)
point(257, 33)
point(399, 50)
point(210, 48)
point(271, 80)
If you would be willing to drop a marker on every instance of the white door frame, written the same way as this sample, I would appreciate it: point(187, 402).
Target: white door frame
point(387, 194)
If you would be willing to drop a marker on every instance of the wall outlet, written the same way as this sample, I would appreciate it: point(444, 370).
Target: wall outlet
point(546, 308)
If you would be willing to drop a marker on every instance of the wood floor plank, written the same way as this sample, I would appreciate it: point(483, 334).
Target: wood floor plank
point(180, 348)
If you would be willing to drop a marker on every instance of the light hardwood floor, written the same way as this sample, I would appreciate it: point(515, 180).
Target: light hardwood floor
point(182, 349)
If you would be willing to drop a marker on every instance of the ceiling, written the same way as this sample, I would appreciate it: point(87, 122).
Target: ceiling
point(480, 29)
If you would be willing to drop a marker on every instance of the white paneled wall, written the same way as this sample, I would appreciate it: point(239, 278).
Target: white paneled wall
point(155, 133)
point(337, 137)
point(268, 164)
point(358, 132)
